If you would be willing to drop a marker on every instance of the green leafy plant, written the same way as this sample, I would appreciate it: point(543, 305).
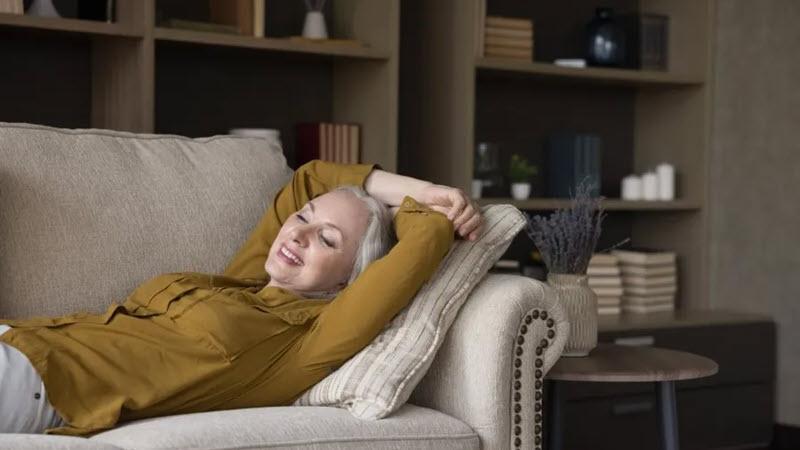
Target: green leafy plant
point(520, 171)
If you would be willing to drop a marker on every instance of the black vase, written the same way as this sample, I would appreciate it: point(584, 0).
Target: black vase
point(605, 40)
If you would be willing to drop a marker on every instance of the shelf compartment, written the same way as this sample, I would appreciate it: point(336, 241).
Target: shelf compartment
point(543, 204)
point(597, 75)
point(89, 27)
point(275, 44)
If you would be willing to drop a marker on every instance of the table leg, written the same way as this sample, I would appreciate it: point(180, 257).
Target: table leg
point(555, 419)
point(668, 415)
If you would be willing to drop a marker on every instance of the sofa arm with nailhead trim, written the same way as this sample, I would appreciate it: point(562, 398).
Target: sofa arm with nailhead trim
point(489, 371)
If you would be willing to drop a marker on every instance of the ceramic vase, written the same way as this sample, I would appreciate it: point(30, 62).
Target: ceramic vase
point(605, 40)
point(520, 191)
point(580, 303)
point(314, 26)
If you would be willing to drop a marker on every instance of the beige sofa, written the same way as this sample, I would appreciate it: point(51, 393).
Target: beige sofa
point(86, 215)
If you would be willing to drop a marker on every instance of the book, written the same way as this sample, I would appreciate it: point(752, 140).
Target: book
point(508, 52)
point(578, 63)
point(258, 17)
point(603, 259)
point(480, 25)
point(604, 281)
point(509, 22)
point(506, 32)
point(609, 301)
point(639, 309)
point(237, 13)
point(650, 291)
point(608, 291)
point(355, 137)
point(608, 310)
point(644, 257)
point(603, 271)
point(640, 300)
point(648, 271)
point(633, 280)
point(308, 142)
point(499, 41)
point(572, 158)
point(12, 7)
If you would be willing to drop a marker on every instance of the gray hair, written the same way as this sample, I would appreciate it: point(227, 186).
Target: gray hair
point(377, 240)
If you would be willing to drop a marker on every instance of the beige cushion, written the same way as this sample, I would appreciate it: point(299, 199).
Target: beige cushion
point(88, 215)
point(42, 442)
point(380, 378)
point(289, 427)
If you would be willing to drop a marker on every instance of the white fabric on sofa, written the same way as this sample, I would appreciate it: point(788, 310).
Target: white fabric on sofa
point(292, 427)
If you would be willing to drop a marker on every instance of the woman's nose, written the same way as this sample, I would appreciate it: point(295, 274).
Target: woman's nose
point(299, 234)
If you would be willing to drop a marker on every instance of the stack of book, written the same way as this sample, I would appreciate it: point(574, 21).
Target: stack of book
point(606, 281)
point(244, 17)
point(11, 7)
point(336, 142)
point(506, 37)
point(649, 280)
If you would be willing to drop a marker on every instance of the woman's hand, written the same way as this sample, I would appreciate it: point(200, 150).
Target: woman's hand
point(457, 206)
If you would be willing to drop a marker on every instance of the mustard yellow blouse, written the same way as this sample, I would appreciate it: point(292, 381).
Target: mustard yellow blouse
point(189, 342)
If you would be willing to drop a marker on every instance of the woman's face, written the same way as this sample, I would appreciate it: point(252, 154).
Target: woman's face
point(316, 247)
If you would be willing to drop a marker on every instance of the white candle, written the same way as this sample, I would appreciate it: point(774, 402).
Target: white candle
point(650, 186)
point(666, 181)
point(632, 188)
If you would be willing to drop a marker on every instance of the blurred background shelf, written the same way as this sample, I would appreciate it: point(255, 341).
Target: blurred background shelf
point(277, 44)
point(543, 204)
point(89, 27)
point(625, 77)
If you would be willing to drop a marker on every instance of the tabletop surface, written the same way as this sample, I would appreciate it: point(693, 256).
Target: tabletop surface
point(620, 363)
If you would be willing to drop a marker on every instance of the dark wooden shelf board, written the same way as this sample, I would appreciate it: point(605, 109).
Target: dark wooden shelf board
point(595, 75)
point(275, 44)
point(608, 204)
point(67, 25)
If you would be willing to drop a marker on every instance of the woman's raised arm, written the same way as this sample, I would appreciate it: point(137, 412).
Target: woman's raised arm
point(391, 188)
point(309, 181)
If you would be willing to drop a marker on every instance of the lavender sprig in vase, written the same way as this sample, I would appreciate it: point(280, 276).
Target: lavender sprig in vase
point(566, 241)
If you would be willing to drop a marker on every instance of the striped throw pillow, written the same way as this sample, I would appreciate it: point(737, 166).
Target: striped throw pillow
point(379, 380)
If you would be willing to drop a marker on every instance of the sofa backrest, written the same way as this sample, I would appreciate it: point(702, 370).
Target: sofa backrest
point(87, 215)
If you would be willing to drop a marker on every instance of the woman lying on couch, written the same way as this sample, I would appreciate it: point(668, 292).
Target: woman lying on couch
point(299, 298)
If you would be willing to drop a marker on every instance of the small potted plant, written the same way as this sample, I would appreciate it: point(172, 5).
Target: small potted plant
point(566, 241)
point(520, 173)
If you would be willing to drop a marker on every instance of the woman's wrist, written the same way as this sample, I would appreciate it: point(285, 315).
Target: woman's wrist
point(391, 188)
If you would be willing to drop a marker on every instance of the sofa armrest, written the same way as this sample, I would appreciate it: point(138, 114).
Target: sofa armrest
point(485, 373)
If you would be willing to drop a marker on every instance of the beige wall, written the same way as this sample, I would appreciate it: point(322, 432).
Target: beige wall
point(755, 175)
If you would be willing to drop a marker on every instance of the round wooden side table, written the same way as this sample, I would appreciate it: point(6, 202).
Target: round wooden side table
point(609, 363)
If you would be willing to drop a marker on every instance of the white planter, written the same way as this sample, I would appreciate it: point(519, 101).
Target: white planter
point(580, 304)
point(314, 26)
point(520, 191)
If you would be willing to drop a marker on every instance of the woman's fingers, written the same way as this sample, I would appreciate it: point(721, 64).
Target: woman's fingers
point(459, 202)
point(465, 215)
point(470, 229)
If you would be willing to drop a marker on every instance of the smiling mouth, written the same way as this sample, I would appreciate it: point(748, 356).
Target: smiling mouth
point(289, 257)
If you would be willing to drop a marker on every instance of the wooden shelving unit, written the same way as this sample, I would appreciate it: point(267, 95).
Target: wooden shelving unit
point(146, 78)
point(453, 98)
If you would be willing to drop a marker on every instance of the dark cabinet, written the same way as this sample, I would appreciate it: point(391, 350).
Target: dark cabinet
point(732, 409)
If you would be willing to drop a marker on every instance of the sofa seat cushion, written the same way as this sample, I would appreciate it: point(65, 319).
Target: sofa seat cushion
point(279, 427)
point(43, 442)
